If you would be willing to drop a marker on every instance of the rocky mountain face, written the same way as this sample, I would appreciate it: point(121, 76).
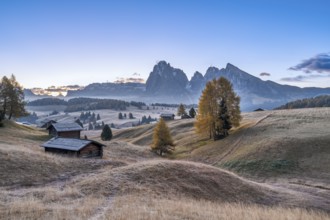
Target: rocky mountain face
point(256, 93)
point(197, 83)
point(166, 80)
point(167, 84)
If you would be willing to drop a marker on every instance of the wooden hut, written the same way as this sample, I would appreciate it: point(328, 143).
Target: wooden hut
point(66, 130)
point(74, 147)
point(167, 116)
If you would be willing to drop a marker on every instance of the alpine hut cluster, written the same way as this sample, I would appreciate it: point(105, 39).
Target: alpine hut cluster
point(66, 140)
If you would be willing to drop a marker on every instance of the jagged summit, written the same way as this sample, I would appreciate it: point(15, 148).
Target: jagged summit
point(197, 82)
point(166, 80)
point(212, 69)
point(161, 66)
point(197, 75)
point(230, 66)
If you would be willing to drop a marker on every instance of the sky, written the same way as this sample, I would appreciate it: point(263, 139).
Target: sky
point(68, 42)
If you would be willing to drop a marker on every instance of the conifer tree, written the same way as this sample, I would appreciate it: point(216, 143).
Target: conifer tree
point(120, 115)
point(90, 126)
point(106, 134)
point(162, 140)
point(218, 109)
point(192, 112)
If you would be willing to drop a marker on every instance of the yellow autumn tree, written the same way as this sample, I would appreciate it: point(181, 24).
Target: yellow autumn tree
point(162, 140)
point(181, 110)
point(218, 109)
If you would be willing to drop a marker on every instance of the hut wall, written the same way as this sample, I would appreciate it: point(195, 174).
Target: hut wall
point(69, 134)
point(61, 151)
point(91, 150)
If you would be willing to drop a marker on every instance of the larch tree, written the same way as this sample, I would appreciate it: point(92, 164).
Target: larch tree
point(162, 140)
point(11, 98)
point(181, 110)
point(218, 109)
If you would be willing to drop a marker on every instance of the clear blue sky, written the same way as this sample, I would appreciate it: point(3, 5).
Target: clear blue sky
point(54, 42)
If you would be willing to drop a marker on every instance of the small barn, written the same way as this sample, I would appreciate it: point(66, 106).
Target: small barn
point(74, 147)
point(65, 130)
point(167, 116)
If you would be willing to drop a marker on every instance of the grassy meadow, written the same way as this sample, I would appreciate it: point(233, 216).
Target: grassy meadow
point(274, 166)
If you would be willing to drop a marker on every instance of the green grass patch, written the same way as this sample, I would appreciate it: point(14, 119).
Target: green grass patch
point(45, 137)
point(265, 167)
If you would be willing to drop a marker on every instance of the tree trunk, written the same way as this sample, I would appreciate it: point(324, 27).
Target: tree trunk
point(4, 108)
point(11, 112)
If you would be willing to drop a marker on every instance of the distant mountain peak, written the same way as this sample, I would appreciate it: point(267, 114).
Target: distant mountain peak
point(212, 69)
point(197, 75)
point(162, 63)
point(165, 79)
point(231, 66)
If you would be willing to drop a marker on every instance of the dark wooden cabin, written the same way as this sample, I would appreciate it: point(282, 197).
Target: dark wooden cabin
point(74, 147)
point(167, 116)
point(65, 130)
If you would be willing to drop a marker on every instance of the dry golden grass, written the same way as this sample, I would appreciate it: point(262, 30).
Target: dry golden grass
point(133, 207)
point(133, 183)
point(59, 207)
point(24, 163)
point(155, 189)
point(286, 144)
point(174, 178)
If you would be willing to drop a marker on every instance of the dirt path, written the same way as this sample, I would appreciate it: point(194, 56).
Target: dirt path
point(102, 210)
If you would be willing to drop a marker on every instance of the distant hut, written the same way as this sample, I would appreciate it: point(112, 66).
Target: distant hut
point(167, 117)
point(47, 123)
point(74, 147)
point(65, 130)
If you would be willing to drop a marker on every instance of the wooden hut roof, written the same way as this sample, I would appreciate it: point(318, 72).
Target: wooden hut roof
point(72, 144)
point(46, 123)
point(166, 115)
point(59, 127)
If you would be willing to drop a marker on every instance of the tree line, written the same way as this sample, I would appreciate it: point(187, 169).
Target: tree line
point(319, 101)
point(83, 104)
point(172, 105)
point(47, 101)
point(11, 98)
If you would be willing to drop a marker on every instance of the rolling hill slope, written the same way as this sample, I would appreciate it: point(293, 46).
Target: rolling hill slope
point(269, 144)
point(40, 185)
